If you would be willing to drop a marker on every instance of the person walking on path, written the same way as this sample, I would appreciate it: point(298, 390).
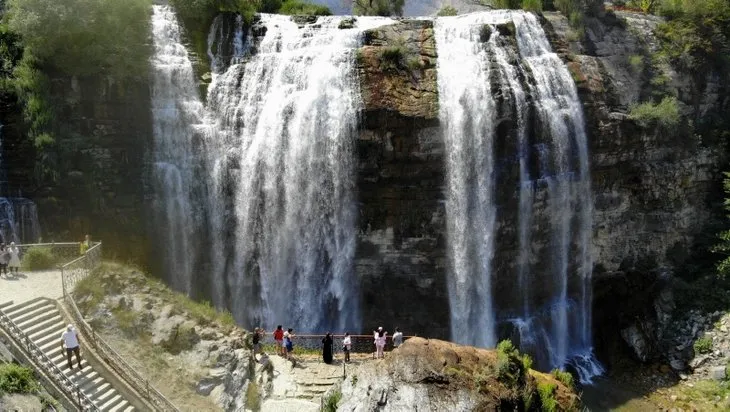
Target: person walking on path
point(279, 341)
point(380, 337)
point(4, 258)
point(327, 347)
point(14, 258)
point(70, 341)
point(347, 346)
point(397, 338)
point(256, 340)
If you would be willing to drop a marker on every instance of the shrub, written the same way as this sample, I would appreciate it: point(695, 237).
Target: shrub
point(330, 404)
point(534, 6)
point(17, 379)
point(391, 57)
point(526, 362)
point(636, 61)
point(664, 114)
point(506, 347)
point(506, 4)
point(447, 10)
point(703, 345)
point(298, 7)
point(564, 377)
point(546, 390)
point(38, 258)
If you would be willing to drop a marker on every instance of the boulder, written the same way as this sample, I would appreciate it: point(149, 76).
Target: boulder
point(718, 373)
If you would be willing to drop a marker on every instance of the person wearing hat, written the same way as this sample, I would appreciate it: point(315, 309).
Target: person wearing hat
point(14, 258)
point(380, 336)
point(70, 341)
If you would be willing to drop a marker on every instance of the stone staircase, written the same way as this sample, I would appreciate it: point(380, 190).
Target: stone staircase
point(42, 322)
point(300, 388)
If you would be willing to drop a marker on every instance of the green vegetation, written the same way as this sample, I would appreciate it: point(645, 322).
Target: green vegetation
point(378, 7)
point(330, 403)
point(38, 258)
point(253, 397)
point(703, 345)
point(447, 10)
point(534, 6)
point(17, 379)
point(546, 390)
point(564, 377)
point(298, 7)
point(664, 114)
point(637, 62)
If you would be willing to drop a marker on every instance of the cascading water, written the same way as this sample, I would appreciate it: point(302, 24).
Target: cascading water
point(548, 303)
point(177, 126)
point(280, 155)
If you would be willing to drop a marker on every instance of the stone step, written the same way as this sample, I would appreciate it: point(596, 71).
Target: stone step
point(54, 321)
point(6, 305)
point(46, 310)
point(122, 406)
point(113, 401)
point(18, 310)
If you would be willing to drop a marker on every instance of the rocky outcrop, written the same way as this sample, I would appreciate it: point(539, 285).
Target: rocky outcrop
point(400, 253)
point(437, 376)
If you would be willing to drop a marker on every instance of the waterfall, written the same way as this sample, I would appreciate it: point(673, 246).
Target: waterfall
point(177, 128)
point(280, 155)
point(543, 300)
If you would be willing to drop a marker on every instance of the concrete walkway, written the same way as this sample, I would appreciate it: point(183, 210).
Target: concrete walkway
point(30, 285)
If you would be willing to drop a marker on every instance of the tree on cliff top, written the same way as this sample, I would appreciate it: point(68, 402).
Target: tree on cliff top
point(378, 7)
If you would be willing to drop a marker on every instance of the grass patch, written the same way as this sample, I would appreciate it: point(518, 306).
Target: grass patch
point(703, 345)
point(546, 391)
point(89, 293)
point(38, 258)
point(564, 377)
point(15, 378)
point(253, 397)
point(330, 403)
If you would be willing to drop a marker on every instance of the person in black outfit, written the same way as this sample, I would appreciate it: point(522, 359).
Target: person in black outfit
point(327, 344)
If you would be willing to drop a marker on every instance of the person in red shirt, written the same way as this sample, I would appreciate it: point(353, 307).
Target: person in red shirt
point(279, 340)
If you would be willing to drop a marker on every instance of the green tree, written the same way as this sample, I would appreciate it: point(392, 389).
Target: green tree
point(378, 7)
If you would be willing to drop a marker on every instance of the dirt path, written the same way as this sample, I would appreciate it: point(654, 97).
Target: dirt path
point(30, 285)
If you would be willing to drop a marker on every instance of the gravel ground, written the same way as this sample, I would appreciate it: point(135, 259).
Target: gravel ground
point(29, 285)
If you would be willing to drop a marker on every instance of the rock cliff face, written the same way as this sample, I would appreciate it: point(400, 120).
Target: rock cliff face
point(400, 254)
point(91, 180)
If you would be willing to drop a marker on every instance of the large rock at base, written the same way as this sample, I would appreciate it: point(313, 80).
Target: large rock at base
point(436, 375)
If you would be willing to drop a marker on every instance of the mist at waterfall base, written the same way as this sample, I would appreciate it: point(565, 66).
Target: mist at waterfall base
point(18, 215)
point(255, 185)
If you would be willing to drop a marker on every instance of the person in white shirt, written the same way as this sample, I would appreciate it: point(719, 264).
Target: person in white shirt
point(397, 338)
point(14, 263)
point(70, 341)
point(347, 346)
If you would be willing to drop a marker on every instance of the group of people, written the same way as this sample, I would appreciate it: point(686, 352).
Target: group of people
point(284, 344)
point(9, 258)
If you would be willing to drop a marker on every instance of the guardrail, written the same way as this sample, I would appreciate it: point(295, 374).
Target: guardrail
point(71, 273)
point(69, 388)
point(359, 343)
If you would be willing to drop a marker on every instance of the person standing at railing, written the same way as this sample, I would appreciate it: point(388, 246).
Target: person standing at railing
point(288, 344)
point(397, 338)
point(347, 346)
point(70, 341)
point(4, 259)
point(14, 263)
point(327, 347)
point(380, 336)
point(279, 341)
point(85, 245)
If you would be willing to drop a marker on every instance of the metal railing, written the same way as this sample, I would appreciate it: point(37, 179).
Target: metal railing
point(71, 273)
point(358, 343)
point(66, 385)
